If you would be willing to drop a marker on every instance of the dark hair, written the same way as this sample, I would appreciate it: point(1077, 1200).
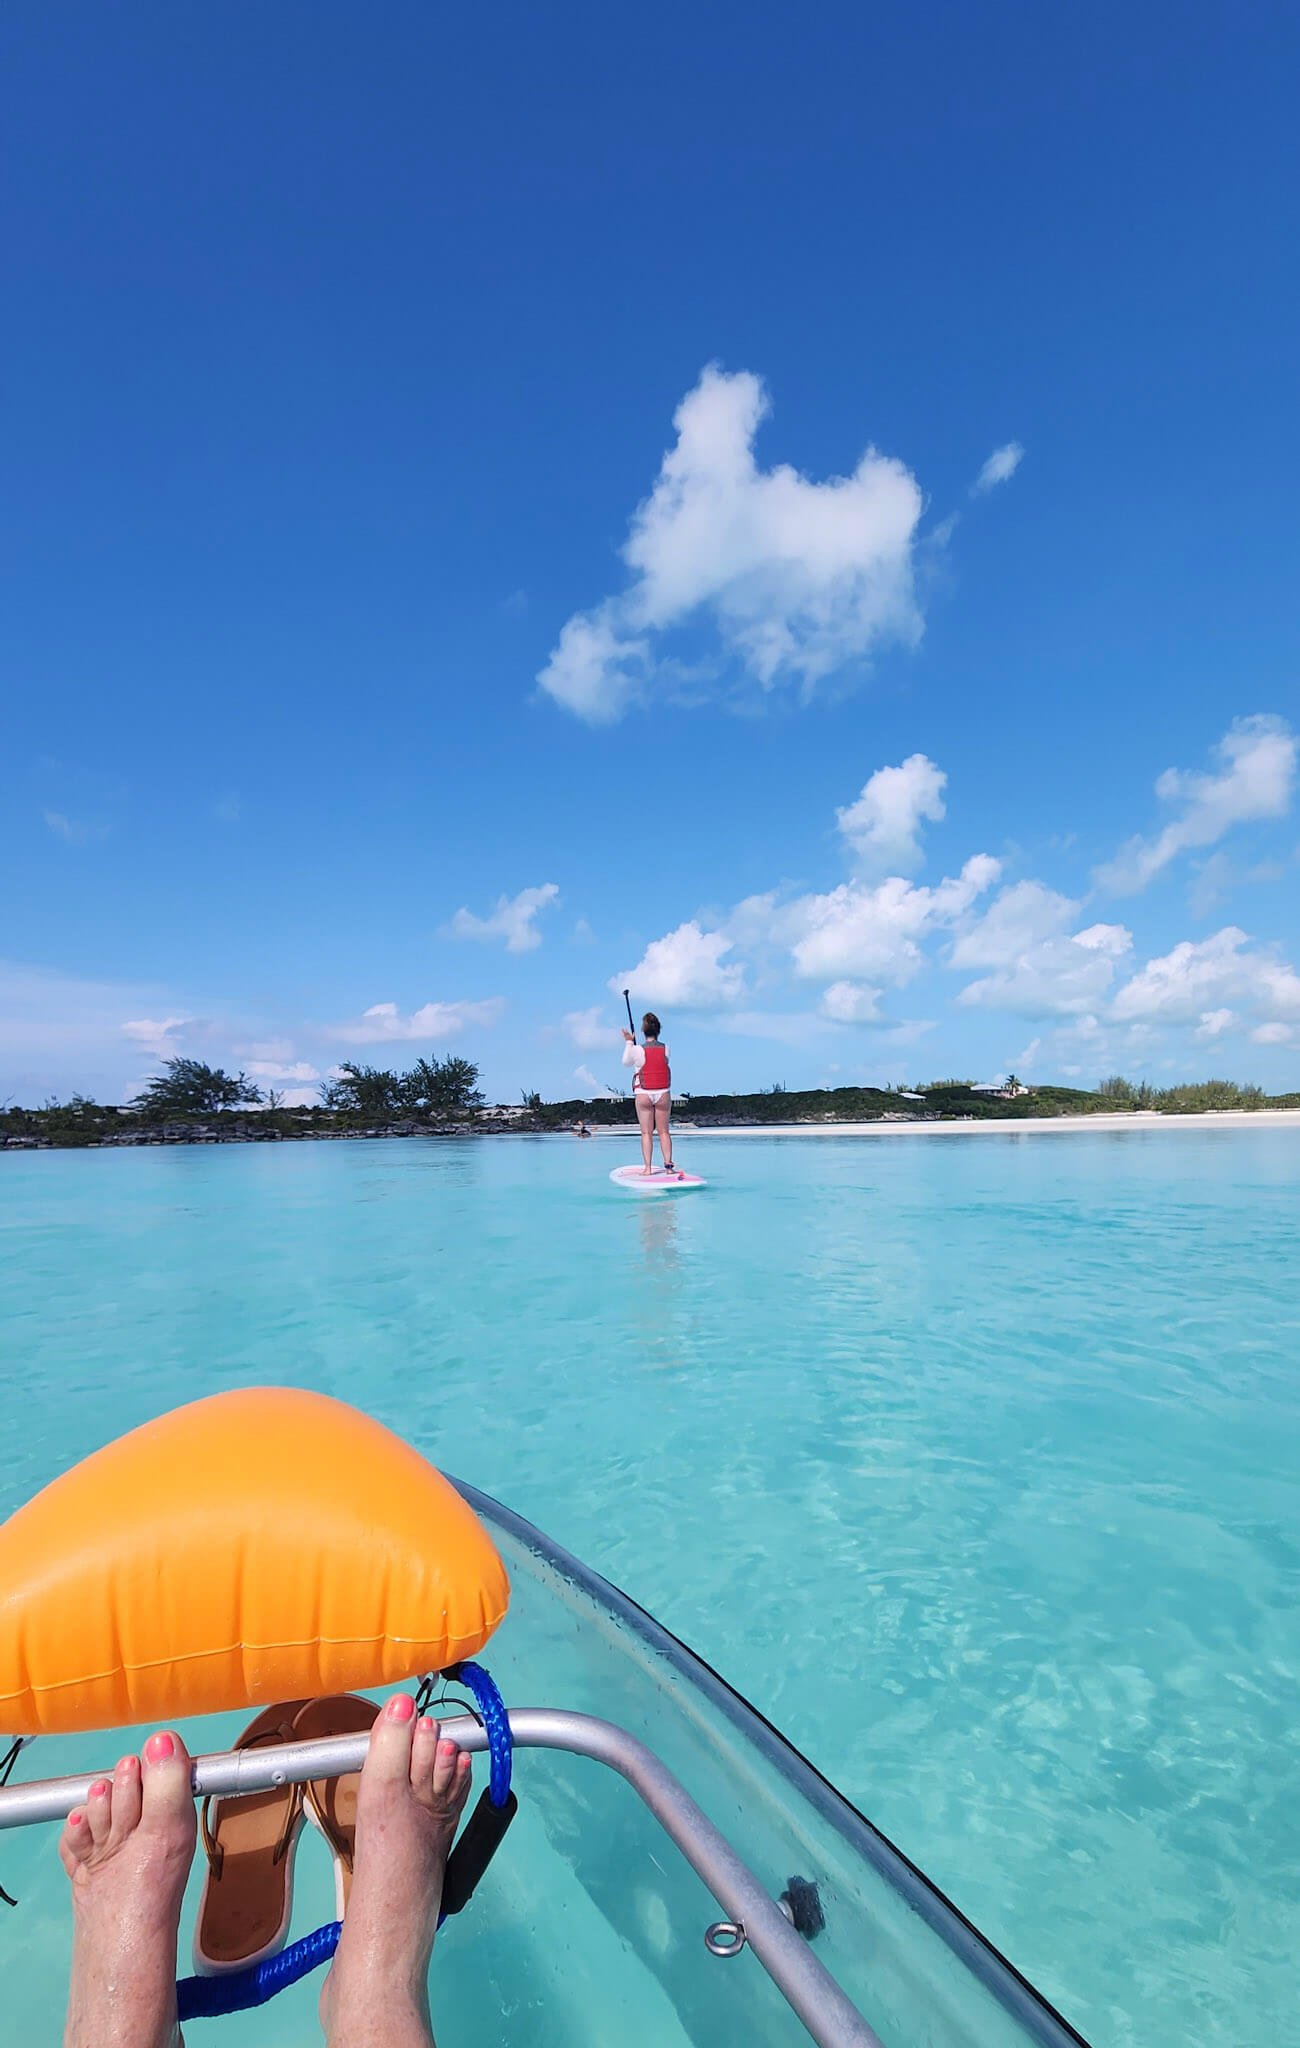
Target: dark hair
point(650, 1024)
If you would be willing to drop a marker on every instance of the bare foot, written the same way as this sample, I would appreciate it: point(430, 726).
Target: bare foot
point(128, 1853)
point(412, 1793)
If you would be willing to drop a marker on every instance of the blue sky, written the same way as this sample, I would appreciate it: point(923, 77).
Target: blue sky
point(486, 498)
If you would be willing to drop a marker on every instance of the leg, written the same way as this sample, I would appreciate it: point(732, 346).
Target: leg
point(412, 1792)
point(128, 1854)
point(663, 1111)
point(645, 1111)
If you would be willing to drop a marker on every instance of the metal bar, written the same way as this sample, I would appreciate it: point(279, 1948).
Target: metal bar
point(812, 1993)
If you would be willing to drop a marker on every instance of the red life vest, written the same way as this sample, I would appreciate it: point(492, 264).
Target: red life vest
point(654, 1069)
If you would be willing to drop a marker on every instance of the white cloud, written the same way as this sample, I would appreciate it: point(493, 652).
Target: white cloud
point(1019, 918)
point(599, 1089)
point(1273, 1034)
point(76, 831)
point(849, 1002)
point(685, 971)
point(883, 824)
point(1215, 1022)
point(797, 578)
point(1255, 782)
point(1002, 464)
point(1065, 976)
point(299, 1098)
point(383, 1023)
point(513, 920)
point(590, 1030)
point(596, 669)
point(860, 933)
point(1180, 986)
point(1041, 968)
point(273, 1071)
point(783, 1027)
point(279, 1050)
point(158, 1035)
point(1218, 875)
point(1026, 1061)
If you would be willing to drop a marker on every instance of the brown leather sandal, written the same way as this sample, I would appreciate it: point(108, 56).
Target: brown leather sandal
point(250, 1840)
point(332, 1802)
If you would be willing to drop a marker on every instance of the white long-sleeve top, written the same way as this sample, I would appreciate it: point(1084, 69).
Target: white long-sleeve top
point(634, 1057)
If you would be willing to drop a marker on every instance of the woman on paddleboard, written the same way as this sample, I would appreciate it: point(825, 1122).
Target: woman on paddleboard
point(652, 1091)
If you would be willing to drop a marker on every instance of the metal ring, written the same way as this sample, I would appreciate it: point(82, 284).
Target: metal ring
point(724, 1938)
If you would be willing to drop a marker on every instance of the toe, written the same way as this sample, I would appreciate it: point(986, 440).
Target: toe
point(167, 1795)
point(424, 1751)
point(444, 1770)
point(464, 1772)
point(76, 1841)
point(99, 1812)
point(126, 1800)
point(389, 1757)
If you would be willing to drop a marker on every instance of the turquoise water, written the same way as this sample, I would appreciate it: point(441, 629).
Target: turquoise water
point(973, 1460)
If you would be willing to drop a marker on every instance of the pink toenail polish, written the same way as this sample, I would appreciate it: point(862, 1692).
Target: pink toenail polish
point(160, 1749)
point(76, 1817)
point(446, 1748)
point(100, 1789)
point(401, 1707)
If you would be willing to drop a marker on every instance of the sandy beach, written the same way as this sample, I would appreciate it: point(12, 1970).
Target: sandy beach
point(992, 1127)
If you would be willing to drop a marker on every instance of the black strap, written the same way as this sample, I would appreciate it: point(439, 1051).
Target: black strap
point(480, 1839)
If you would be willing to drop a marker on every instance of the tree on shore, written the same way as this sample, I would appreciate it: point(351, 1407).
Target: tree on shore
point(189, 1088)
point(442, 1087)
point(1124, 1095)
point(435, 1089)
point(358, 1090)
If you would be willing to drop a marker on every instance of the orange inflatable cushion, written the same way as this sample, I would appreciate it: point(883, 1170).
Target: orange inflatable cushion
point(263, 1545)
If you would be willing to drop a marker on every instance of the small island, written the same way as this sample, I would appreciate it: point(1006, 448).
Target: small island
point(189, 1103)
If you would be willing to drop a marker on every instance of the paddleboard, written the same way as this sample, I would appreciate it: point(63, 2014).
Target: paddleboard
point(657, 1183)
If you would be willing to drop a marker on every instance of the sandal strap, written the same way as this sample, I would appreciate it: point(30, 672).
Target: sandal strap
point(332, 1834)
point(212, 1848)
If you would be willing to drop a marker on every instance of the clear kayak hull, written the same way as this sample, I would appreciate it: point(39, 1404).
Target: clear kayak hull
point(590, 1925)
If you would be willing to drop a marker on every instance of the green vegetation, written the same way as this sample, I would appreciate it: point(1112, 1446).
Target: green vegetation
point(189, 1101)
point(433, 1091)
point(948, 1099)
point(188, 1088)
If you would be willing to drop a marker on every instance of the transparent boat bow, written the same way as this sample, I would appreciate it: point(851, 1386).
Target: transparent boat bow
point(592, 1921)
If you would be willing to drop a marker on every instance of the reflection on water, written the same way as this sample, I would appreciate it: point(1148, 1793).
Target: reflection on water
point(655, 1277)
point(658, 1220)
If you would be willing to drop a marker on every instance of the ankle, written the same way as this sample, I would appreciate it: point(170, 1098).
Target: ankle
point(392, 2016)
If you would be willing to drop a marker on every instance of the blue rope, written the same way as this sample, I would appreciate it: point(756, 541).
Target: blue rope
point(202, 1998)
point(207, 1998)
point(496, 1724)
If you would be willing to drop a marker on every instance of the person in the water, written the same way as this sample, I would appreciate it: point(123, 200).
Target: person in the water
point(128, 1853)
point(652, 1091)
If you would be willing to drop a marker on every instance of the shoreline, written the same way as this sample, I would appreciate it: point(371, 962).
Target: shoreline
point(1002, 1127)
point(1108, 1123)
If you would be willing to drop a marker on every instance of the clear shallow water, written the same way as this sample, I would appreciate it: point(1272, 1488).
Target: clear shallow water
point(972, 1460)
